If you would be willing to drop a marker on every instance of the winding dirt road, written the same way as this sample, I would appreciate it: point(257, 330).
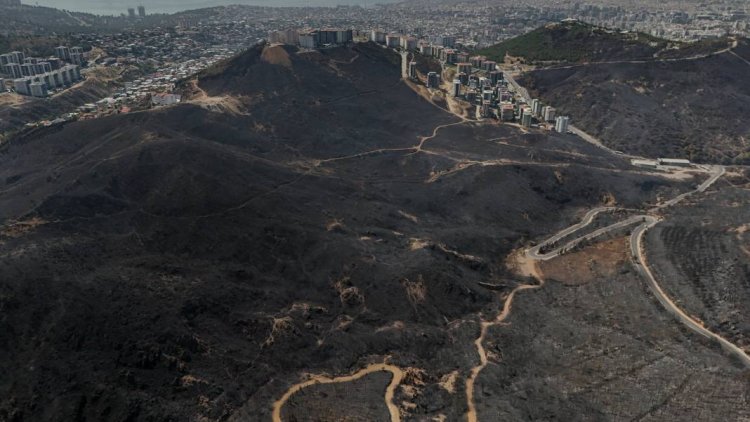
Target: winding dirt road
point(528, 268)
point(533, 255)
point(390, 391)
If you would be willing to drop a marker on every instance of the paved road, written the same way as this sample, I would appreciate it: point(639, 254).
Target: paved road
point(587, 219)
point(404, 64)
point(716, 173)
point(534, 252)
point(636, 241)
point(596, 142)
point(524, 93)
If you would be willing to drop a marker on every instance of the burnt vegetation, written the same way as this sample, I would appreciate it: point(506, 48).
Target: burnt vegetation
point(679, 102)
point(702, 256)
point(574, 42)
point(192, 262)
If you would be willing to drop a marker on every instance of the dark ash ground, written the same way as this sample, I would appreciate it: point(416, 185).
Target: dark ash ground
point(189, 264)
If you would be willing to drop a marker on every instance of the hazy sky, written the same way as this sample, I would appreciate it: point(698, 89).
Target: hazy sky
point(115, 7)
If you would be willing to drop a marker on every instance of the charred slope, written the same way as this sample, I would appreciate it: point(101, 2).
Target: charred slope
point(703, 255)
point(14, 118)
point(183, 263)
point(315, 104)
point(574, 41)
point(685, 108)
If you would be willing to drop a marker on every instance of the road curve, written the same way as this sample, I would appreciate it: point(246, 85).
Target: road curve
point(471, 414)
point(647, 221)
point(636, 240)
point(533, 253)
point(716, 173)
point(390, 391)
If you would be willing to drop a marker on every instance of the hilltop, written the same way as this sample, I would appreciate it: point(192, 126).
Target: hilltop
point(688, 106)
point(575, 41)
point(24, 20)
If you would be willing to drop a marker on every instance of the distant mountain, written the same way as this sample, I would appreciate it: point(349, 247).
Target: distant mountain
point(25, 19)
point(575, 41)
point(21, 20)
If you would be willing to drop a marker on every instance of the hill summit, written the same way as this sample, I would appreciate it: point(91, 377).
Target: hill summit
point(575, 41)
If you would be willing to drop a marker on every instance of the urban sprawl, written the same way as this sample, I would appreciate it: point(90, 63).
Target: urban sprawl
point(478, 81)
point(151, 60)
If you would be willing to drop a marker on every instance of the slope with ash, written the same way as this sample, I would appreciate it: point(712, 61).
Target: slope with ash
point(690, 108)
point(188, 263)
point(574, 41)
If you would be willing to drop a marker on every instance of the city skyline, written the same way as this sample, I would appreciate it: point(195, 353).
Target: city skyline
point(110, 7)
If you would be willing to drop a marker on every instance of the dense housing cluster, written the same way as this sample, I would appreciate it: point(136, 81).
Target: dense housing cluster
point(38, 77)
point(478, 80)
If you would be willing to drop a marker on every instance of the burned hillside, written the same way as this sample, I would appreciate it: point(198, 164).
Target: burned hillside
point(300, 213)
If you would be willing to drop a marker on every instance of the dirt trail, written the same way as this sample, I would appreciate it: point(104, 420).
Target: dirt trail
point(390, 391)
point(728, 49)
point(225, 103)
point(524, 262)
point(740, 57)
point(418, 147)
point(740, 231)
point(647, 221)
point(525, 266)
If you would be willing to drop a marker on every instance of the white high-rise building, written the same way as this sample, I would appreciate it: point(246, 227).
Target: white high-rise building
point(536, 107)
point(13, 70)
point(308, 40)
point(413, 70)
point(22, 86)
point(63, 53)
point(28, 69)
point(456, 88)
point(43, 67)
point(526, 118)
point(38, 89)
point(433, 80)
point(561, 124)
point(548, 113)
point(18, 57)
point(392, 41)
point(377, 36)
point(49, 80)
